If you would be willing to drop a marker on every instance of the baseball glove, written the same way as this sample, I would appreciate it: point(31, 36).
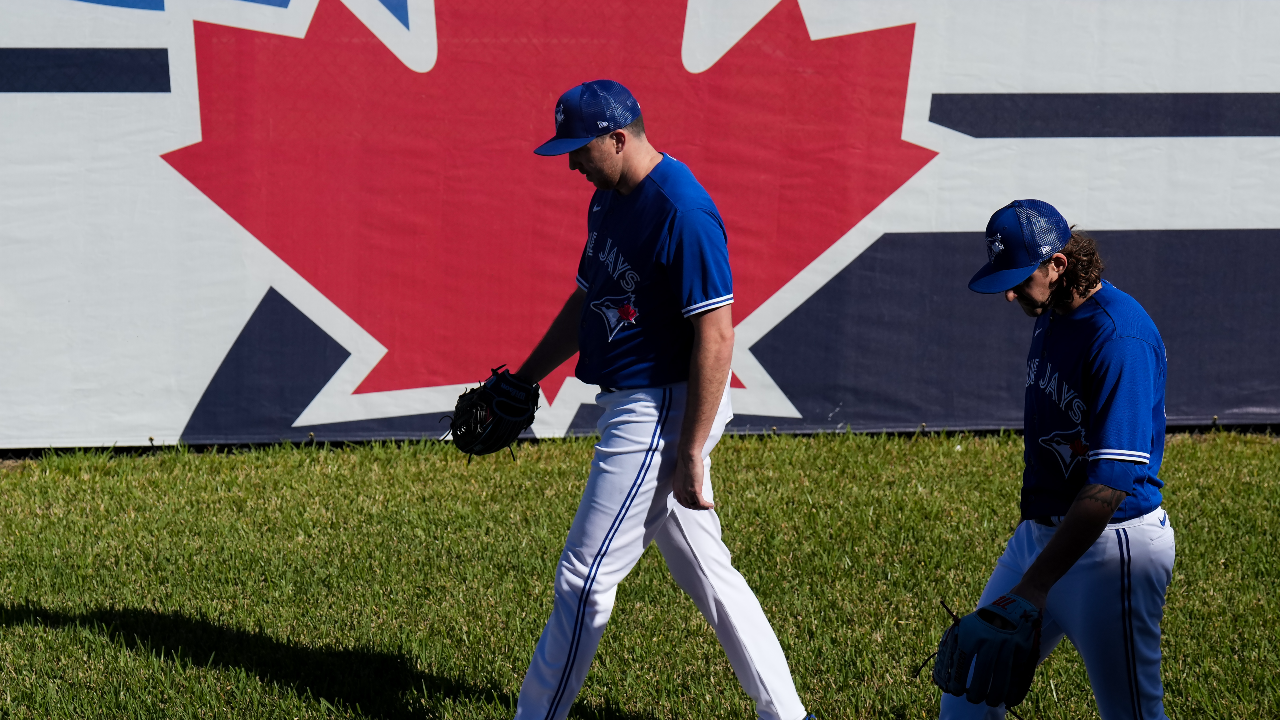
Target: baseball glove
point(490, 417)
point(1005, 637)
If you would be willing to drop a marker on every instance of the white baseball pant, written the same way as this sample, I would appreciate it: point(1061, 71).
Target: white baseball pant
point(1110, 603)
point(626, 505)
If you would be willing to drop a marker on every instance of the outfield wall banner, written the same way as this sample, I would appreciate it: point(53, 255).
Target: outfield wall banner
point(228, 221)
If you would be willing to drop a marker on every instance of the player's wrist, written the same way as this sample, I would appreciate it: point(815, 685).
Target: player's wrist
point(688, 453)
point(1034, 592)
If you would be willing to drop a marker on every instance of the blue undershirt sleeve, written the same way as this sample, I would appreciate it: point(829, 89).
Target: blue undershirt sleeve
point(699, 262)
point(1119, 435)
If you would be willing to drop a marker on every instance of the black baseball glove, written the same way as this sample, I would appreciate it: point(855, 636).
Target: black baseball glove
point(490, 417)
point(1005, 637)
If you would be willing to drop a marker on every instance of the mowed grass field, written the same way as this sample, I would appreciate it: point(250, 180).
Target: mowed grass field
point(397, 581)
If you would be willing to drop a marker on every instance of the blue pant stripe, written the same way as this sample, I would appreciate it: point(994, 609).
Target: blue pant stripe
point(1133, 664)
point(1125, 610)
point(1124, 616)
point(580, 618)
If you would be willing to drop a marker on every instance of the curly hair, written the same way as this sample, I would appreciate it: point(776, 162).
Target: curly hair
point(1084, 269)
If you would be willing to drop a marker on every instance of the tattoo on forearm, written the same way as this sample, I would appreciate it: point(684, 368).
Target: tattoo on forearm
point(1102, 495)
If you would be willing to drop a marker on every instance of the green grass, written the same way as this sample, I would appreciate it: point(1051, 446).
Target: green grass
point(396, 581)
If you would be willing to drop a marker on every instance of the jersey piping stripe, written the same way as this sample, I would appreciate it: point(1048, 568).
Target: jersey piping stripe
point(1109, 454)
point(579, 622)
point(581, 283)
point(707, 305)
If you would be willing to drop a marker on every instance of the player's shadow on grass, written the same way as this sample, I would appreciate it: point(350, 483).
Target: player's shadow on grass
point(381, 684)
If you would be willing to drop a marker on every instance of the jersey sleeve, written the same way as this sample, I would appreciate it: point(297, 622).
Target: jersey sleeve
point(699, 262)
point(1120, 433)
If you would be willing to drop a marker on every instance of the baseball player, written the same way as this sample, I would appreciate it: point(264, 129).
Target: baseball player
point(651, 323)
point(1093, 555)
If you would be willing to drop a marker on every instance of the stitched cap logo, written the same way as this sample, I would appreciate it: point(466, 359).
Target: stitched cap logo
point(994, 246)
point(559, 116)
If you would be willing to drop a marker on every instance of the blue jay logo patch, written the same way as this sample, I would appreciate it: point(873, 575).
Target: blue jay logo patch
point(617, 312)
point(994, 246)
point(1069, 447)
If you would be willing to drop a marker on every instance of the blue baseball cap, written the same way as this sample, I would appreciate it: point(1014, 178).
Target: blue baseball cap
point(1020, 236)
point(588, 111)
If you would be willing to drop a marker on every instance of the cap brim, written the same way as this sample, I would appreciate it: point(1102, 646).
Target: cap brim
point(560, 146)
point(989, 281)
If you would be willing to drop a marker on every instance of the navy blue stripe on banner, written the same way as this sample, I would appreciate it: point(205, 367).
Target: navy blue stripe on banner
point(1096, 115)
point(84, 70)
point(896, 339)
point(135, 4)
point(579, 622)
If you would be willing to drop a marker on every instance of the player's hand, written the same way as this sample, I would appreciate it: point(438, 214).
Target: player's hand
point(686, 483)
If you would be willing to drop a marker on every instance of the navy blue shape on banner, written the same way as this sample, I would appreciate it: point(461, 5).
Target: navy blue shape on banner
point(398, 8)
point(896, 339)
point(585, 420)
point(1062, 115)
point(84, 70)
point(135, 4)
point(1212, 295)
point(159, 4)
point(277, 365)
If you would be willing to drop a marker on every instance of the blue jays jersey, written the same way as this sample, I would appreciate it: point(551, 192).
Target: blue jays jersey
point(1094, 406)
point(653, 258)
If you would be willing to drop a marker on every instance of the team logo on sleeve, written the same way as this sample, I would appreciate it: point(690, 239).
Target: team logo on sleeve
point(617, 312)
point(1068, 446)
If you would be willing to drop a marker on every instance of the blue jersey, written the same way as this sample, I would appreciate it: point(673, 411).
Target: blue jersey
point(653, 258)
point(1094, 406)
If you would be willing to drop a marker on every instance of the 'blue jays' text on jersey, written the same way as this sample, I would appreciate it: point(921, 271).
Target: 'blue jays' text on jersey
point(653, 258)
point(1094, 406)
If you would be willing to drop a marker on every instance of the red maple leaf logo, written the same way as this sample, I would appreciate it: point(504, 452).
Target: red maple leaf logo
point(627, 313)
point(414, 201)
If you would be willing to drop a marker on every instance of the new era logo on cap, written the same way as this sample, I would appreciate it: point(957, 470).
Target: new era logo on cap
point(588, 111)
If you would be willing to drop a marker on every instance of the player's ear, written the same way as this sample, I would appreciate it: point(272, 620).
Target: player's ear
point(1058, 264)
point(619, 139)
